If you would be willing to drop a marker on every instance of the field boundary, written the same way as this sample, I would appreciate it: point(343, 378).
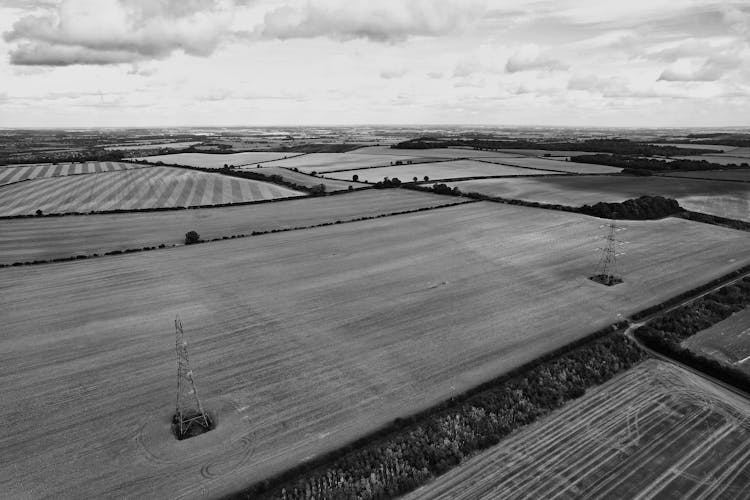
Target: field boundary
point(234, 236)
point(703, 178)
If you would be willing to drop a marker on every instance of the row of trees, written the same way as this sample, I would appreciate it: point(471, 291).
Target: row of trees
point(415, 450)
point(614, 146)
point(635, 165)
point(666, 333)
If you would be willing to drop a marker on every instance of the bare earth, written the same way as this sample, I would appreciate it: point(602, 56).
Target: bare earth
point(46, 238)
point(301, 341)
point(655, 431)
point(727, 341)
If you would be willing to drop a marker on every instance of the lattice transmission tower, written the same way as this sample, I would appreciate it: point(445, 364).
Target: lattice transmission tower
point(190, 418)
point(607, 271)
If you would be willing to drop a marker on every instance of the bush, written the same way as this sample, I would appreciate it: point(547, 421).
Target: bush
point(192, 237)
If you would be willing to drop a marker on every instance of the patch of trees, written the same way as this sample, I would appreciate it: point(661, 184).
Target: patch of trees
point(652, 164)
point(612, 145)
point(388, 183)
point(643, 208)
point(68, 157)
point(404, 456)
point(192, 237)
point(666, 333)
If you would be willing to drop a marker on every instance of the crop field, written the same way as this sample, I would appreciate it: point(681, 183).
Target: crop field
point(737, 152)
point(307, 180)
point(301, 341)
point(45, 238)
point(726, 199)
point(558, 165)
point(727, 341)
point(656, 431)
point(325, 162)
point(445, 153)
point(719, 159)
point(454, 169)
point(165, 145)
point(740, 174)
point(543, 152)
point(210, 160)
point(715, 147)
point(133, 189)
point(13, 174)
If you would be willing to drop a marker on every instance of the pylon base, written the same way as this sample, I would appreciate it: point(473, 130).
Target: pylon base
point(606, 279)
point(192, 425)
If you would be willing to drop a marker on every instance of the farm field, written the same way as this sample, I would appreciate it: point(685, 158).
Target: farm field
point(727, 341)
point(716, 147)
point(211, 160)
point(453, 169)
point(559, 165)
point(737, 152)
point(307, 180)
point(17, 173)
point(134, 189)
point(301, 341)
point(655, 431)
point(165, 145)
point(726, 199)
point(719, 159)
point(542, 152)
point(45, 238)
point(325, 162)
point(445, 153)
point(740, 174)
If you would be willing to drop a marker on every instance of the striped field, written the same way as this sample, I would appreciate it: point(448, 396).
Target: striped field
point(17, 173)
point(153, 187)
point(657, 431)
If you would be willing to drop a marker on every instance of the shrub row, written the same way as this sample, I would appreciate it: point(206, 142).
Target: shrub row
point(234, 236)
point(409, 452)
point(685, 295)
point(653, 164)
point(715, 220)
point(666, 333)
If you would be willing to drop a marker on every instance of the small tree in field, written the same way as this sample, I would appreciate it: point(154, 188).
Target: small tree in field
point(192, 237)
point(426, 178)
point(355, 177)
point(39, 212)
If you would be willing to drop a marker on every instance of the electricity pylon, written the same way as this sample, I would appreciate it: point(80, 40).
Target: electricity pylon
point(189, 410)
point(607, 272)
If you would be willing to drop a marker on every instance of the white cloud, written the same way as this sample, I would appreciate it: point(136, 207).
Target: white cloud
point(530, 57)
point(381, 21)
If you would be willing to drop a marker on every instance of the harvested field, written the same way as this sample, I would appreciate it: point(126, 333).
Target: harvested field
point(715, 147)
point(135, 189)
point(17, 173)
point(725, 199)
point(740, 174)
point(45, 238)
point(719, 159)
point(727, 341)
point(210, 160)
point(656, 431)
point(164, 145)
point(325, 162)
point(445, 153)
point(558, 165)
point(543, 152)
point(301, 341)
point(454, 169)
point(305, 179)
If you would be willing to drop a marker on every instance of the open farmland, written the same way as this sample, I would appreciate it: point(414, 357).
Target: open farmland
point(445, 153)
point(718, 159)
point(726, 199)
point(727, 340)
point(45, 238)
point(152, 187)
point(301, 341)
point(305, 179)
point(326, 162)
point(558, 165)
point(454, 169)
point(211, 160)
point(18, 173)
point(656, 431)
point(740, 174)
point(544, 152)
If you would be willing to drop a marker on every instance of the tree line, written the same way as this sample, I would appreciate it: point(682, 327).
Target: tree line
point(635, 165)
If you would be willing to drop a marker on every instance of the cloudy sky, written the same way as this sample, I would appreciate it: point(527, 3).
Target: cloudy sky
point(288, 62)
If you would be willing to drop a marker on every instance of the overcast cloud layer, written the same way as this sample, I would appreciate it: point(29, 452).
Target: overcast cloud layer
point(255, 62)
